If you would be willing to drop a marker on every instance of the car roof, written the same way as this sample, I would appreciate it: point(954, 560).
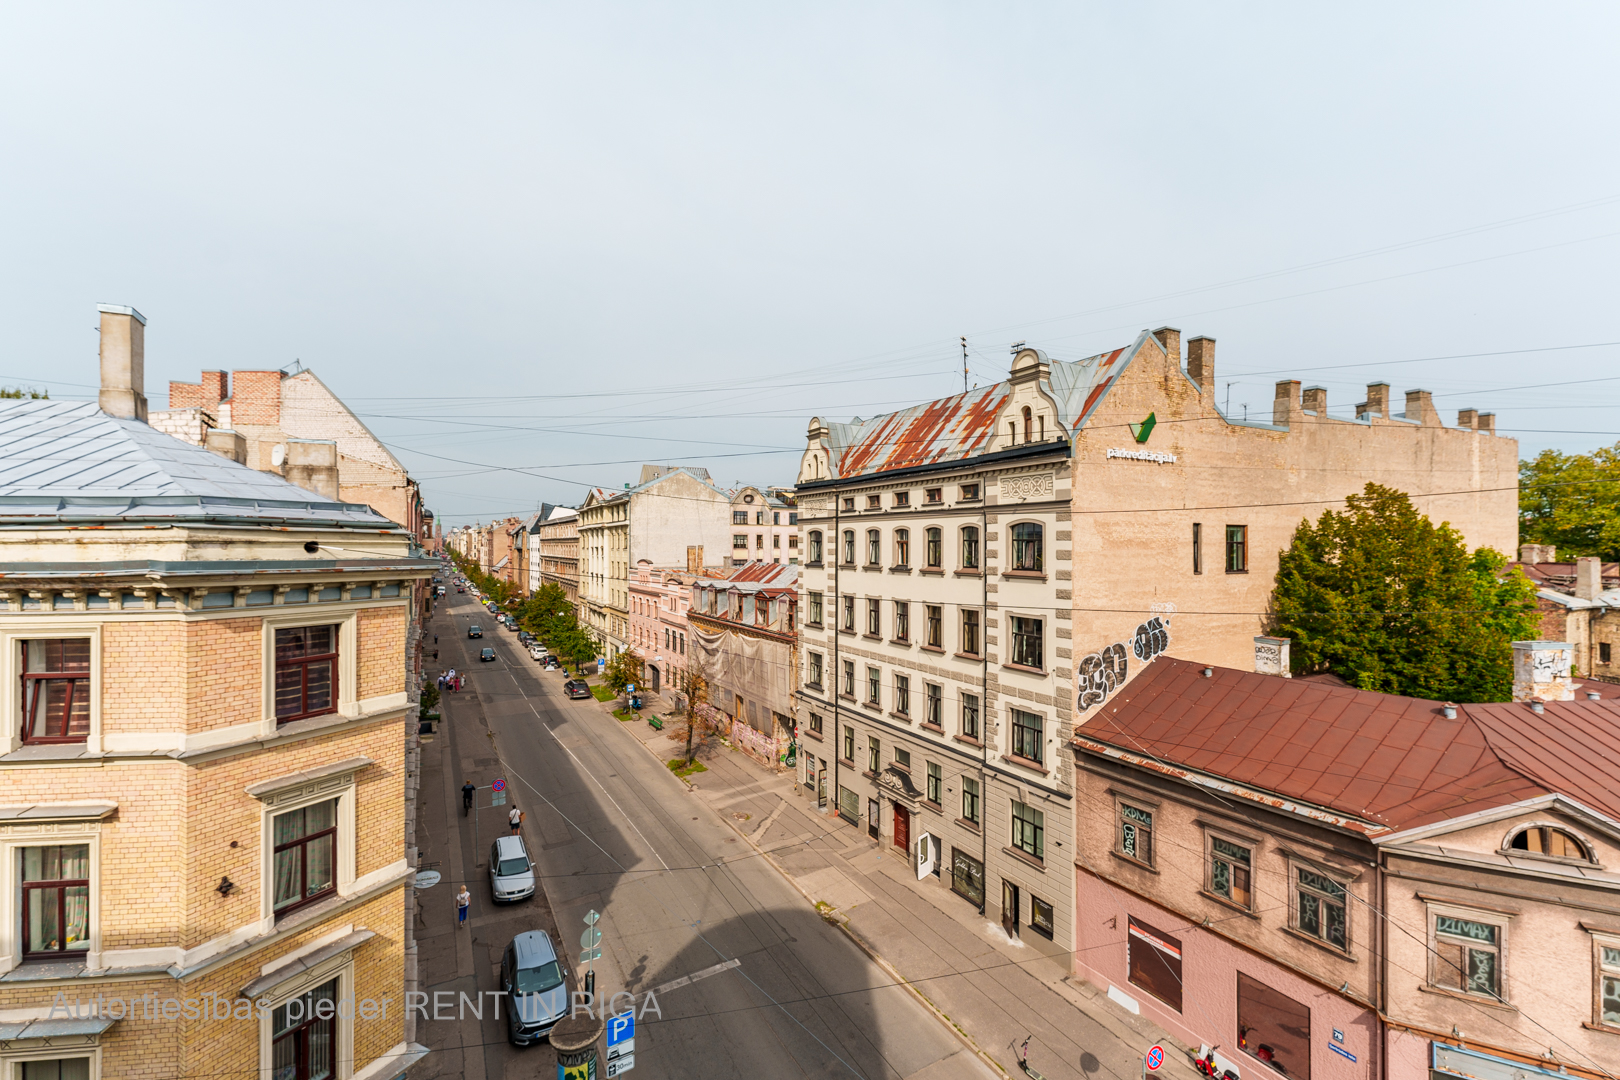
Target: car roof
point(510, 846)
point(533, 948)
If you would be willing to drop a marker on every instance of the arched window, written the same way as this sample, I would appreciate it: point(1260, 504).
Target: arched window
point(970, 547)
point(874, 547)
point(849, 547)
point(1026, 553)
point(902, 547)
point(815, 549)
point(1546, 840)
point(934, 553)
point(1029, 425)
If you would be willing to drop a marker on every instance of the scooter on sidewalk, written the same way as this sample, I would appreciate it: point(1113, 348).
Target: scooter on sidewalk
point(1023, 1060)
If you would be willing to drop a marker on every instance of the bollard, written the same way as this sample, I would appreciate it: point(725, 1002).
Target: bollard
point(574, 1039)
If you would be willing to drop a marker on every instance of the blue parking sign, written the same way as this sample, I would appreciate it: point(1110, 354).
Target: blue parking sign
point(621, 1028)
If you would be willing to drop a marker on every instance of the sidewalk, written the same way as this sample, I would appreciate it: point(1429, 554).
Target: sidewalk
point(995, 992)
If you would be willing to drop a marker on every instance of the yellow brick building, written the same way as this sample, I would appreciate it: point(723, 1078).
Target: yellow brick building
point(204, 758)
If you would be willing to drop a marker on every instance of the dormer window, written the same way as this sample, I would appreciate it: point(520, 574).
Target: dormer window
point(1546, 840)
point(1029, 425)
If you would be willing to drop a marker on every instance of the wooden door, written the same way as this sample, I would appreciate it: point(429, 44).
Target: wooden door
point(1009, 908)
point(902, 828)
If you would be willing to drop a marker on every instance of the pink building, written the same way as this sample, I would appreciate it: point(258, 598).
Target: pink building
point(659, 599)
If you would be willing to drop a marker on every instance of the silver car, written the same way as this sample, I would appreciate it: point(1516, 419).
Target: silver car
point(511, 871)
point(535, 987)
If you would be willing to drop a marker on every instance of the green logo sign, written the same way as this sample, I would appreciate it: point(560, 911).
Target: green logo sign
point(1144, 429)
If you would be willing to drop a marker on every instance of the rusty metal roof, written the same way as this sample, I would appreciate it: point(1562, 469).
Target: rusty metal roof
point(962, 425)
point(1393, 762)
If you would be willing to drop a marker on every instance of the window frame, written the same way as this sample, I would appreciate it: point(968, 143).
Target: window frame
point(934, 705)
point(933, 548)
point(1020, 640)
point(1298, 889)
point(1437, 963)
point(341, 968)
point(60, 885)
point(1237, 549)
point(1017, 546)
point(848, 600)
point(849, 548)
point(848, 745)
point(970, 493)
point(975, 647)
point(874, 547)
point(874, 685)
point(902, 549)
point(972, 706)
point(933, 495)
point(972, 557)
point(813, 670)
point(972, 801)
point(303, 663)
point(42, 679)
point(902, 621)
point(934, 782)
point(815, 601)
point(849, 679)
point(1018, 737)
point(1585, 859)
point(13, 673)
point(934, 626)
point(813, 551)
point(1604, 970)
point(12, 842)
point(1140, 806)
point(347, 621)
point(902, 694)
point(303, 842)
point(1198, 547)
point(874, 754)
point(1024, 828)
point(874, 617)
point(739, 541)
point(1249, 846)
point(297, 796)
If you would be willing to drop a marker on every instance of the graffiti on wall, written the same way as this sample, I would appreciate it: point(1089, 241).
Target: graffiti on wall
point(1104, 671)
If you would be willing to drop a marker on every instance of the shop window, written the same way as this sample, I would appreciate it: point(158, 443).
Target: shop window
point(849, 805)
point(967, 877)
point(1153, 962)
point(1040, 917)
point(1274, 1027)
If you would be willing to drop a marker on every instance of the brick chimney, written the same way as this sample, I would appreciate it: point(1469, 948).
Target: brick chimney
point(1588, 577)
point(1420, 407)
point(257, 399)
point(1285, 408)
point(1201, 364)
point(1468, 419)
point(1316, 401)
point(216, 387)
point(1541, 671)
point(1487, 423)
point(1170, 341)
point(123, 362)
point(1377, 403)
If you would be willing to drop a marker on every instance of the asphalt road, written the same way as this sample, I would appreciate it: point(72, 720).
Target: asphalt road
point(612, 830)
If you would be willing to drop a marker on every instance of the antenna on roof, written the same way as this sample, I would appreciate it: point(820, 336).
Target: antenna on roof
point(1016, 346)
point(296, 367)
point(964, 364)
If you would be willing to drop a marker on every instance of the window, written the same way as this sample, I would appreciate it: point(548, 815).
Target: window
point(306, 671)
point(874, 502)
point(1028, 741)
point(56, 900)
point(793, 542)
point(902, 758)
point(1029, 425)
point(849, 804)
point(1026, 538)
point(1319, 908)
point(902, 498)
point(874, 547)
point(814, 552)
point(1040, 917)
point(305, 855)
point(1545, 840)
point(874, 618)
point(849, 504)
point(849, 678)
point(1153, 962)
point(1028, 830)
point(1609, 984)
point(874, 754)
point(967, 877)
point(793, 518)
point(970, 716)
point(759, 540)
point(849, 547)
point(1237, 549)
point(814, 676)
point(935, 698)
point(970, 547)
point(933, 549)
point(1274, 1027)
point(1136, 833)
point(1026, 642)
point(849, 614)
point(902, 547)
point(849, 744)
point(815, 609)
point(970, 633)
point(739, 540)
point(303, 1036)
point(936, 779)
point(1198, 548)
point(739, 517)
point(874, 685)
point(759, 517)
point(970, 492)
point(815, 723)
point(970, 800)
point(71, 1068)
point(936, 626)
point(1466, 955)
point(902, 621)
point(56, 690)
point(1603, 652)
point(933, 495)
point(902, 694)
point(1229, 871)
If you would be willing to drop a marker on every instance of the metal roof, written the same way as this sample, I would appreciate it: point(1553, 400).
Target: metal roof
point(69, 461)
point(1395, 762)
point(963, 425)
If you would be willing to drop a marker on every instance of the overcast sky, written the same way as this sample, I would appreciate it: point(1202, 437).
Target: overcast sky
point(534, 245)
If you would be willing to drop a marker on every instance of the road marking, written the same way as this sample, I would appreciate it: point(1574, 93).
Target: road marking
point(676, 984)
point(759, 833)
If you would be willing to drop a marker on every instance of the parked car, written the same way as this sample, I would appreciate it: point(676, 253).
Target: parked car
point(552, 664)
point(475, 631)
point(486, 653)
point(577, 688)
point(535, 986)
point(511, 871)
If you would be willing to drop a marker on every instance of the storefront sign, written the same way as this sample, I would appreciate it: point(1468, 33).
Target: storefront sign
point(1157, 456)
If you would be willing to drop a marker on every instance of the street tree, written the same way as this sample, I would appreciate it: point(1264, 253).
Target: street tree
point(1389, 601)
point(1572, 502)
point(623, 671)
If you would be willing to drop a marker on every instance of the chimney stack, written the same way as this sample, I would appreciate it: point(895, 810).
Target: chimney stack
point(1316, 401)
point(1468, 419)
point(1420, 407)
point(227, 444)
point(1201, 364)
point(1377, 403)
point(312, 465)
point(1588, 577)
point(1541, 671)
point(1285, 405)
point(1170, 341)
point(1271, 656)
point(123, 362)
point(1487, 423)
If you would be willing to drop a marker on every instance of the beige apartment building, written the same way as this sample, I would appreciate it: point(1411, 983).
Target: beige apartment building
point(764, 526)
point(556, 556)
point(204, 756)
point(982, 572)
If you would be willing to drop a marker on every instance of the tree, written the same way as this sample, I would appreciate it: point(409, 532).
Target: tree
point(623, 670)
point(1391, 602)
point(1572, 501)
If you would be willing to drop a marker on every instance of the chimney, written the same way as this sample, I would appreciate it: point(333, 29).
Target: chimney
point(123, 362)
point(1271, 656)
point(1170, 341)
point(1316, 401)
point(312, 465)
point(216, 387)
point(1487, 423)
point(1541, 671)
point(1588, 577)
point(1420, 407)
point(226, 443)
point(1377, 403)
point(1201, 364)
point(1285, 406)
point(1531, 553)
point(1468, 419)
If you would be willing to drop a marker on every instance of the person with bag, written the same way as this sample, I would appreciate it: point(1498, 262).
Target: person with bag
point(463, 899)
point(516, 818)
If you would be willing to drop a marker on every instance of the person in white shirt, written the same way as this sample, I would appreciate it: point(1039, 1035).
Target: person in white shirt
point(463, 898)
point(516, 818)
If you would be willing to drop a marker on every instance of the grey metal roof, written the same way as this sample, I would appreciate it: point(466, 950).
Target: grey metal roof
point(69, 461)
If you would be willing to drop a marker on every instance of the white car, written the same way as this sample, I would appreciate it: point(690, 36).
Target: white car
point(537, 651)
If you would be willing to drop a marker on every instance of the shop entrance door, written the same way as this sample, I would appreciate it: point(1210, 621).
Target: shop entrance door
point(1009, 908)
point(902, 828)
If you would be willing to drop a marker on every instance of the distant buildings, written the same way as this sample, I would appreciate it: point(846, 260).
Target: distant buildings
point(1579, 600)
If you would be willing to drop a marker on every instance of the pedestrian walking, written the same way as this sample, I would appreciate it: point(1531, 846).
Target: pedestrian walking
point(467, 790)
point(461, 681)
point(516, 818)
point(463, 898)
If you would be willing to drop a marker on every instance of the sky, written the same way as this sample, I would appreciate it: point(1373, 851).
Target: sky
point(535, 245)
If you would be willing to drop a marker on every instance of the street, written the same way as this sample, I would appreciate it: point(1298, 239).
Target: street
point(611, 830)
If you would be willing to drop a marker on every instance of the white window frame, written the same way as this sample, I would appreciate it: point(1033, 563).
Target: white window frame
point(342, 967)
point(12, 840)
point(348, 624)
point(341, 788)
point(39, 628)
point(13, 1060)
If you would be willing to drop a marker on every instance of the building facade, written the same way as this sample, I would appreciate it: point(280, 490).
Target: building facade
point(206, 758)
point(745, 650)
point(1579, 601)
point(558, 551)
point(764, 526)
point(659, 600)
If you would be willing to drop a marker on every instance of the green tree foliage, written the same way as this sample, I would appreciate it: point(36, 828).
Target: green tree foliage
point(18, 392)
point(1572, 501)
point(623, 670)
point(1389, 601)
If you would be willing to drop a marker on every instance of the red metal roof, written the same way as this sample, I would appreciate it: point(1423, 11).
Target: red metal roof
point(1392, 761)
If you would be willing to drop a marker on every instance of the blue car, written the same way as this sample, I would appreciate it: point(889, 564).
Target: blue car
point(535, 988)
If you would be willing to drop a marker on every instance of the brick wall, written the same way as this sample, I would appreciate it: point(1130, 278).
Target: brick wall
point(382, 652)
point(224, 673)
point(257, 398)
point(143, 676)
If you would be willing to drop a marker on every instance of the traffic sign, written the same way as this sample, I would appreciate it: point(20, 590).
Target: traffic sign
point(620, 1065)
point(591, 938)
point(590, 954)
point(1155, 1058)
point(591, 917)
point(621, 1029)
point(498, 785)
point(498, 799)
